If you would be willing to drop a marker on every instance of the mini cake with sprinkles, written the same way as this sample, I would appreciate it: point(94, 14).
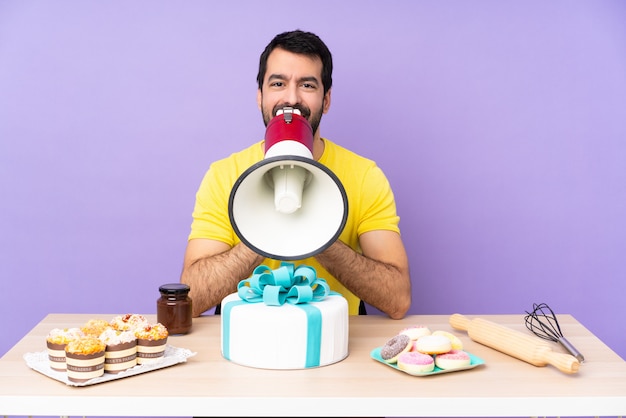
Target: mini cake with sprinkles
point(129, 322)
point(85, 358)
point(56, 341)
point(454, 359)
point(414, 362)
point(151, 340)
point(95, 327)
point(121, 350)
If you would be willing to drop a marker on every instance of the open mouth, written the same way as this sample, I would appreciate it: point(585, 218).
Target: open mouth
point(288, 110)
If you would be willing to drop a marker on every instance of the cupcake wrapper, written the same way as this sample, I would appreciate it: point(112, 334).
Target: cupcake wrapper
point(120, 357)
point(56, 356)
point(81, 368)
point(150, 351)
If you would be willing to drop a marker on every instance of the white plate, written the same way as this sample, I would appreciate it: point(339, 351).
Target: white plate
point(475, 361)
point(173, 355)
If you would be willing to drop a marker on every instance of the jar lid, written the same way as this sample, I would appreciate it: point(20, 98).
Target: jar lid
point(174, 288)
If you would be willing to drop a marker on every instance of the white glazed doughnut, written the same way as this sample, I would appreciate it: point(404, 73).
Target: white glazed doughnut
point(453, 359)
point(394, 347)
point(414, 362)
point(456, 342)
point(416, 331)
point(433, 344)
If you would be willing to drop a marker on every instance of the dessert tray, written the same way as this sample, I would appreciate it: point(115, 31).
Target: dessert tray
point(173, 355)
point(474, 361)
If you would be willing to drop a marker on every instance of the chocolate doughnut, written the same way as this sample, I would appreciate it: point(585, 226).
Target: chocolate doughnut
point(397, 345)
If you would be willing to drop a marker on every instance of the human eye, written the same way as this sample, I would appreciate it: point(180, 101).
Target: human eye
point(309, 83)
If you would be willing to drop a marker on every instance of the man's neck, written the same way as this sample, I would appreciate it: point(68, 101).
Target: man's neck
point(318, 148)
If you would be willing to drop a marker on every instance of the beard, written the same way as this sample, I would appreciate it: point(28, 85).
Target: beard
point(314, 119)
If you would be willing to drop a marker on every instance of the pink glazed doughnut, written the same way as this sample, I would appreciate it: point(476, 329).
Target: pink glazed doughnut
point(394, 347)
point(416, 331)
point(452, 360)
point(415, 363)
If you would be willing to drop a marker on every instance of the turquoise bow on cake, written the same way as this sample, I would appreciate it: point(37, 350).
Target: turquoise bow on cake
point(285, 284)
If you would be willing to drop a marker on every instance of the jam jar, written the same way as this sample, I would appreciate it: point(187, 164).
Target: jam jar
point(174, 308)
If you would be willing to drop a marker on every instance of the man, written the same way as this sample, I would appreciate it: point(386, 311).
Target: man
point(367, 263)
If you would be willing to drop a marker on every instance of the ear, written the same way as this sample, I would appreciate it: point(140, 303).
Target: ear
point(259, 98)
point(326, 101)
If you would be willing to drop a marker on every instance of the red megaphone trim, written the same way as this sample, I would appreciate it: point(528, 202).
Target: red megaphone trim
point(294, 127)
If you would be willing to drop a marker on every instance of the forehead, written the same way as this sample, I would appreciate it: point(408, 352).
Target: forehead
point(287, 64)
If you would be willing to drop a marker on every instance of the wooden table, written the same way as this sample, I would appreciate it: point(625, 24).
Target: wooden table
point(208, 385)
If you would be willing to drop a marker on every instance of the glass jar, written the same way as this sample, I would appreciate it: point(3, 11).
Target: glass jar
point(174, 308)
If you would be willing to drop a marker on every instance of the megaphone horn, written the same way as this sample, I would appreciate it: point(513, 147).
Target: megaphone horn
point(288, 206)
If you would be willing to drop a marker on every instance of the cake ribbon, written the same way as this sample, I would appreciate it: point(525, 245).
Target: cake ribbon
point(285, 284)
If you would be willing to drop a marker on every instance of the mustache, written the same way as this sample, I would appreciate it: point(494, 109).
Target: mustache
point(304, 111)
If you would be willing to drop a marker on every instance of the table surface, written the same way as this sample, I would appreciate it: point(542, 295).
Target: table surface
point(208, 385)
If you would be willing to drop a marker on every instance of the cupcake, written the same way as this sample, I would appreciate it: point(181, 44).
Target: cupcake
point(121, 350)
point(56, 341)
point(151, 341)
point(95, 327)
point(129, 322)
point(84, 358)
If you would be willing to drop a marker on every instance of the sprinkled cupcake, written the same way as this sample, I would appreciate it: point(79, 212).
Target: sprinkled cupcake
point(129, 322)
point(85, 358)
point(95, 327)
point(56, 341)
point(121, 350)
point(151, 340)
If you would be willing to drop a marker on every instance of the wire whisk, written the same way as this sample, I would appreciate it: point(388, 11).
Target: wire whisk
point(543, 323)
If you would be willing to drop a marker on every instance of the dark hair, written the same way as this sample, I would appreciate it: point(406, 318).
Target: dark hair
point(299, 42)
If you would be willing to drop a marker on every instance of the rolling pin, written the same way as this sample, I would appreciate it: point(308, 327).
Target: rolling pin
point(514, 343)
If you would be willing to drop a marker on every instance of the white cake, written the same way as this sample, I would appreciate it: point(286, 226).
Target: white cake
point(275, 337)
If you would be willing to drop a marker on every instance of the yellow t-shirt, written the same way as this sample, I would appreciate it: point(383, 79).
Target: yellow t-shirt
point(371, 204)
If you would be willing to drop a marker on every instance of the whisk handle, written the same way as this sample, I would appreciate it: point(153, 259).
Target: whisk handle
point(572, 350)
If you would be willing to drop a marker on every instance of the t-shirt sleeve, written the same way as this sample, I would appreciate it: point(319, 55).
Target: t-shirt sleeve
point(377, 203)
point(210, 213)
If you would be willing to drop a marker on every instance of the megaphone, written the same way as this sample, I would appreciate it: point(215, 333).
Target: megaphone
point(288, 206)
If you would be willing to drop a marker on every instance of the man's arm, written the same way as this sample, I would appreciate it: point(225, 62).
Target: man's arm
point(212, 270)
point(380, 277)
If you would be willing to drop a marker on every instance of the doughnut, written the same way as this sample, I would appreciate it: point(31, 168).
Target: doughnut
point(452, 360)
point(414, 362)
point(456, 342)
point(416, 331)
point(394, 347)
point(433, 344)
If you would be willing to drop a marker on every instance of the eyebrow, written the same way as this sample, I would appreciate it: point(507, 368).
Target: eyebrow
point(300, 80)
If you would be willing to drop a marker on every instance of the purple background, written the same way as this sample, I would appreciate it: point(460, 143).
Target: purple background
point(501, 126)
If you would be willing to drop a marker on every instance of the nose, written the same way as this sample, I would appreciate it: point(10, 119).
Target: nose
point(292, 95)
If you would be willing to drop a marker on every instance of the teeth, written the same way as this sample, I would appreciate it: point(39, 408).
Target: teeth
point(289, 110)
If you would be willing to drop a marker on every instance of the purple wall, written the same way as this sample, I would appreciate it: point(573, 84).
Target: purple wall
point(501, 126)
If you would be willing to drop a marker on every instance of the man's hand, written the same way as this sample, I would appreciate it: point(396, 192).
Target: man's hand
point(380, 276)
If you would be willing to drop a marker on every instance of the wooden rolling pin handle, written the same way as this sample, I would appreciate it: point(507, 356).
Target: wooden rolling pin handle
point(514, 343)
point(458, 321)
point(564, 362)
